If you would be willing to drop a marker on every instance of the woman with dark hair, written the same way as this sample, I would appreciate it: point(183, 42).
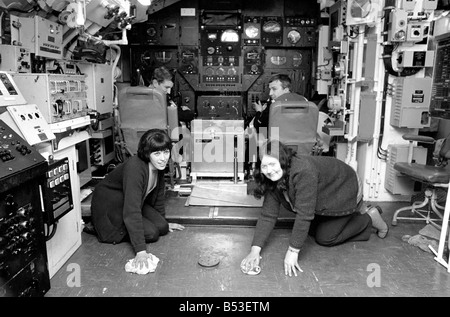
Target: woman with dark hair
point(324, 192)
point(128, 204)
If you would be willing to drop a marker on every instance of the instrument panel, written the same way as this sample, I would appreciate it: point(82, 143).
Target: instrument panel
point(226, 51)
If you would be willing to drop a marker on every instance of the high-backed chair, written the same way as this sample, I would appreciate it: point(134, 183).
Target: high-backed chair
point(294, 122)
point(434, 177)
point(142, 108)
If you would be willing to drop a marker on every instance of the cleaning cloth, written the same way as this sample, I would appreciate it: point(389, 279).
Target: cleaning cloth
point(152, 262)
point(421, 242)
point(250, 271)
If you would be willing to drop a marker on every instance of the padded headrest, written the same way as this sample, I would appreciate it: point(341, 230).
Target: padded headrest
point(300, 106)
point(141, 92)
point(295, 122)
point(445, 148)
point(142, 108)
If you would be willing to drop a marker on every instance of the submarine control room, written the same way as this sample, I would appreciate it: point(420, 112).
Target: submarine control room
point(229, 148)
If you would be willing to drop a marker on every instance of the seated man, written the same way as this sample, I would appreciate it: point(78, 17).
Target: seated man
point(258, 130)
point(279, 89)
point(162, 81)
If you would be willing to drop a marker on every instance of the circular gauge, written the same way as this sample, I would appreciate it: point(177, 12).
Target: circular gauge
point(360, 8)
point(147, 58)
point(400, 35)
point(293, 36)
point(251, 31)
point(232, 71)
point(229, 36)
point(220, 71)
point(211, 50)
point(209, 71)
point(151, 31)
point(271, 27)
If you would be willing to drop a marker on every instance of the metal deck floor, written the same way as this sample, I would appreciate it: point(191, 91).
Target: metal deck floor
point(345, 270)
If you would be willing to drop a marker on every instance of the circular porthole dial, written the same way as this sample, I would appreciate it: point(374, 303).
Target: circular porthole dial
point(293, 36)
point(251, 31)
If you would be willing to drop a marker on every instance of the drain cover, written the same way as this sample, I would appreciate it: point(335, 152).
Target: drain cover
point(208, 260)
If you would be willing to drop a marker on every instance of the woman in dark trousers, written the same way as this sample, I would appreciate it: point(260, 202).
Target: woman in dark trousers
point(324, 192)
point(129, 204)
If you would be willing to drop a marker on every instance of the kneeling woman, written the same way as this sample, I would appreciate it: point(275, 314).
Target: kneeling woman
point(129, 202)
point(324, 192)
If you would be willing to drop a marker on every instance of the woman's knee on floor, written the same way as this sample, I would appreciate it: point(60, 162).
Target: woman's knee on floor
point(326, 241)
point(163, 228)
point(152, 236)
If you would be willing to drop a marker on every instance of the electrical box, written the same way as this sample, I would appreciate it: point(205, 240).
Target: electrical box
point(415, 59)
point(408, 5)
point(411, 102)
point(395, 182)
point(415, 32)
point(15, 59)
point(43, 37)
point(429, 4)
point(338, 15)
point(398, 21)
point(99, 86)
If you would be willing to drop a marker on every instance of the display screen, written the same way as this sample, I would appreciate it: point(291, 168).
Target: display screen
point(212, 36)
point(229, 36)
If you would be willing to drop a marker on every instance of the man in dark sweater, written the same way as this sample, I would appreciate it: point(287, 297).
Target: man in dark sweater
point(279, 90)
point(162, 81)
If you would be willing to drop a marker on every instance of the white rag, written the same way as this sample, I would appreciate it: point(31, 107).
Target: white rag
point(152, 262)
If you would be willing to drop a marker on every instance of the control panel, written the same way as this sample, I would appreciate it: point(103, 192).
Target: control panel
point(252, 31)
point(226, 53)
point(440, 95)
point(221, 64)
point(15, 153)
point(300, 31)
point(219, 107)
point(272, 30)
point(57, 191)
point(23, 255)
point(9, 92)
point(59, 97)
point(31, 123)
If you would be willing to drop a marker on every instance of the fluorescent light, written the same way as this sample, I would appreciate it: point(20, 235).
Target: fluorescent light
point(145, 2)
